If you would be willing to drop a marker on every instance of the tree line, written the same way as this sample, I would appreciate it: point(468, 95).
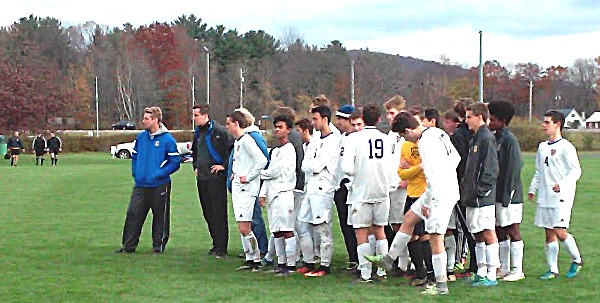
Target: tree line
point(48, 74)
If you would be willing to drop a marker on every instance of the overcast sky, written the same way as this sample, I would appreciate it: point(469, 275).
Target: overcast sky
point(551, 32)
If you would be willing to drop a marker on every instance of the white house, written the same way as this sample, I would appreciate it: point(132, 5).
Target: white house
point(573, 119)
point(593, 122)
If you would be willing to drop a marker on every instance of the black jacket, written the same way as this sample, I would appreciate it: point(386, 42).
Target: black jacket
point(15, 142)
point(460, 139)
point(222, 143)
point(39, 144)
point(478, 186)
point(296, 141)
point(54, 143)
point(509, 189)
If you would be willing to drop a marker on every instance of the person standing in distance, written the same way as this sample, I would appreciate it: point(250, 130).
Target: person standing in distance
point(557, 170)
point(54, 147)
point(154, 159)
point(15, 146)
point(39, 148)
point(210, 152)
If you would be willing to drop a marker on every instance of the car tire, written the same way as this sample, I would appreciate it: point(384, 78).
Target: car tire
point(123, 154)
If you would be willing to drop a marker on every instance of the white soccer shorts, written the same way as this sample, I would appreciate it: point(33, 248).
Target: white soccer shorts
point(281, 212)
point(507, 216)
point(397, 200)
point(551, 217)
point(319, 208)
point(366, 214)
point(481, 218)
point(439, 215)
point(243, 207)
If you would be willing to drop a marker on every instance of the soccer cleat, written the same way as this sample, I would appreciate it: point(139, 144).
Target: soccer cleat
point(451, 276)
point(548, 275)
point(285, 273)
point(384, 262)
point(350, 266)
point(474, 279)
point(316, 273)
point(125, 251)
point(248, 265)
point(459, 267)
point(264, 262)
point(514, 277)
point(416, 282)
point(362, 281)
point(574, 269)
point(435, 291)
point(502, 274)
point(485, 282)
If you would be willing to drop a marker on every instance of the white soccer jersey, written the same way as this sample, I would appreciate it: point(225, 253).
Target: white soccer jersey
point(397, 142)
point(556, 163)
point(367, 157)
point(248, 160)
point(280, 176)
point(332, 127)
point(321, 162)
point(340, 173)
point(440, 159)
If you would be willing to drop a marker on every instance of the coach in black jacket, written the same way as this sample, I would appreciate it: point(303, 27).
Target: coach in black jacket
point(478, 194)
point(210, 152)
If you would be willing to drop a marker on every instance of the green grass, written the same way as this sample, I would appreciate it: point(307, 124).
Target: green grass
point(61, 226)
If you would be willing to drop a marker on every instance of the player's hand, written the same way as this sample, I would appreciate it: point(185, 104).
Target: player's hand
point(404, 164)
point(425, 211)
point(243, 179)
point(262, 201)
point(196, 172)
point(60, 149)
point(556, 188)
point(530, 196)
point(216, 168)
point(403, 184)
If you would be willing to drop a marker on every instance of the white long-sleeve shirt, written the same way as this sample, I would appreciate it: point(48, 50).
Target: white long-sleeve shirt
point(280, 176)
point(321, 162)
point(555, 163)
point(367, 157)
point(397, 142)
point(440, 159)
point(340, 175)
point(248, 160)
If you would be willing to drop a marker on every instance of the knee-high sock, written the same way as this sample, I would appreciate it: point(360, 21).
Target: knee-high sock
point(280, 250)
point(480, 256)
point(253, 244)
point(398, 250)
point(324, 232)
point(426, 247)
point(381, 248)
point(439, 266)
point(552, 256)
point(271, 250)
point(516, 254)
point(493, 260)
point(504, 247)
point(450, 244)
point(373, 242)
point(290, 251)
point(572, 249)
point(306, 242)
point(247, 248)
point(365, 266)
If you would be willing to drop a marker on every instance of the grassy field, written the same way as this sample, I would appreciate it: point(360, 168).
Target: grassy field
point(61, 226)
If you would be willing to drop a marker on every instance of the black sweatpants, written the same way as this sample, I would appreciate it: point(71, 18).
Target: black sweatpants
point(340, 197)
point(142, 200)
point(213, 200)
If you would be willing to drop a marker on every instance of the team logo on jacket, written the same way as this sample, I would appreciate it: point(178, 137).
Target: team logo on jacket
point(553, 152)
point(156, 143)
point(475, 148)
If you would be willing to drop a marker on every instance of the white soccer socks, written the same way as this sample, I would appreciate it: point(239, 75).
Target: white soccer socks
point(398, 250)
point(572, 249)
point(271, 249)
point(280, 251)
point(381, 248)
point(365, 266)
point(325, 234)
point(516, 256)
point(481, 258)
point(290, 251)
point(439, 266)
point(450, 244)
point(251, 248)
point(552, 256)
point(504, 247)
point(493, 260)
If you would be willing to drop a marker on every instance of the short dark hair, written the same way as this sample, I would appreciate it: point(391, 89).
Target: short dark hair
point(416, 110)
point(502, 110)
point(305, 124)
point(204, 108)
point(357, 113)
point(433, 113)
point(479, 109)
point(371, 114)
point(403, 121)
point(238, 117)
point(451, 115)
point(460, 106)
point(323, 111)
point(556, 117)
point(285, 119)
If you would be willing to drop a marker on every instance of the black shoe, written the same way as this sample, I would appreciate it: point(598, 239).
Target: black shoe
point(220, 255)
point(156, 251)
point(125, 251)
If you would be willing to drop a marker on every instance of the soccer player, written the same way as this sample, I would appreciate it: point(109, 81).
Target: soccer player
point(343, 183)
point(440, 160)
point(39, 148)
point(478, 194)
point(356, 120)
point(322, 163)
point(367, 155)
point(248, 161)
point(321, 100)
point(277, 194)
point(555, 180)
point(15, 146)
point(509, 192)
point(304, 229)
point(154, 159)
point(54, 147)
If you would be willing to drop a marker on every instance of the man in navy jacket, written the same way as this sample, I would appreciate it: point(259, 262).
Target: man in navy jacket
point(154, 158)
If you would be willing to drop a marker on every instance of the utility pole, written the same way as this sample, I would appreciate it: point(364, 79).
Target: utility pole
point(193, 98)
point(480, 66)
point(530, 98)
point(352, 83)
point(241, 87)
point(97, 115)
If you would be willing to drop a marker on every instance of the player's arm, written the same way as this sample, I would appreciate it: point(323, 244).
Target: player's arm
point(488, 173)
point(172, 160)
point(574, 170)
point(324, 157)
point(258, 159)
point(430, 159)
point(349, 157)
point(535, 180)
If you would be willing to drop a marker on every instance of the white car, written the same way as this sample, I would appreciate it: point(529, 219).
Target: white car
point(124, 150)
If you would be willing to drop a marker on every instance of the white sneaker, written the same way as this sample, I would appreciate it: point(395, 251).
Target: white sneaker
point(514, 276)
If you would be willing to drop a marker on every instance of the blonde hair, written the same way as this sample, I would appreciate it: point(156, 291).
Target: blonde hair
point(155, 112)
point(247, 115)
point(320, 100)
point(398, 102)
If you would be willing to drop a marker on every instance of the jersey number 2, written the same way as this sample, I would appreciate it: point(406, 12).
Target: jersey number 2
point(378, 145)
